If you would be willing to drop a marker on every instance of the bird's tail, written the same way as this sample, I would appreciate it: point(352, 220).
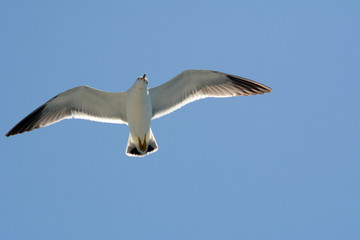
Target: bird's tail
point(141, 146)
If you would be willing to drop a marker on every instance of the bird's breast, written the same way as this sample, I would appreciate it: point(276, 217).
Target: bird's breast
point(139, 112)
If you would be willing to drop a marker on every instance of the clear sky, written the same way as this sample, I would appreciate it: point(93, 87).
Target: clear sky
point(283, 165)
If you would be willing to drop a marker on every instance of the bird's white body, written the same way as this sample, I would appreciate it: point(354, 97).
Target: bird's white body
point(139, 114)
point(139, 105)
point(138, 109)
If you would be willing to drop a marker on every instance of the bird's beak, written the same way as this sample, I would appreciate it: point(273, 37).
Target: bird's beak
point(143, 77)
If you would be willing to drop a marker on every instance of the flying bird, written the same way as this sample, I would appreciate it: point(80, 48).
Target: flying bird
point(139, 105)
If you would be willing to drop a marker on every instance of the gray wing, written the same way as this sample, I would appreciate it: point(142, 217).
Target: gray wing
point(81, 102)
point(192, 85)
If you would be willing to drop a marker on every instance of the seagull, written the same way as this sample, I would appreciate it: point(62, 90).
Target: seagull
point(139, 105)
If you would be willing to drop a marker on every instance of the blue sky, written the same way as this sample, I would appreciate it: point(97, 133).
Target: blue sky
point(283, 165)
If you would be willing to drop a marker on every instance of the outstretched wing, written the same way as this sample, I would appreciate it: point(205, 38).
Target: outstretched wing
point(81, 102)
point(192, 85)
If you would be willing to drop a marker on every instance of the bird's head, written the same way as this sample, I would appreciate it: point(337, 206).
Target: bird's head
point(143, 79)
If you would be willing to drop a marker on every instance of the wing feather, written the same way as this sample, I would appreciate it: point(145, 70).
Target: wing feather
point(81, 102)
point(192, 85)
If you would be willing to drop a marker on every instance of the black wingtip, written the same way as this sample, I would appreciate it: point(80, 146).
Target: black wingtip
point(8, 134)
point(28, 123)
point(251, 86)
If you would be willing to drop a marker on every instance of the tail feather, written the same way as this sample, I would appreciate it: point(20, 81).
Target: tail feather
point(134, 147)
